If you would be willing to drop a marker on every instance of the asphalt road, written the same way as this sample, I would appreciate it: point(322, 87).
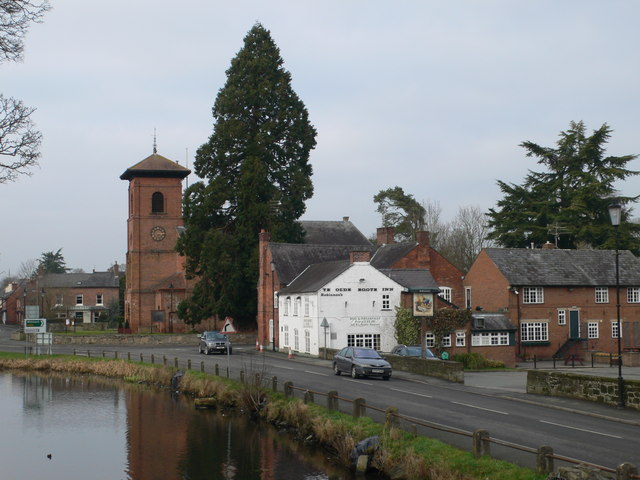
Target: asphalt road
point(495, 401)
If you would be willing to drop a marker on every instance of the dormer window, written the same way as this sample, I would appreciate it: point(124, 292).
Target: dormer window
point(478, 322)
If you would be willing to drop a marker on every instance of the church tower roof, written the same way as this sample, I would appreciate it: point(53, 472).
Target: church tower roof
point(155, 166)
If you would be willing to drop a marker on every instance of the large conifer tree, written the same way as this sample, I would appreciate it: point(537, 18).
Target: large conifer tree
point(567, 202)
point(256, 174)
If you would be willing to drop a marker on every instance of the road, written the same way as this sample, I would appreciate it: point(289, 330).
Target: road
point(579, 430)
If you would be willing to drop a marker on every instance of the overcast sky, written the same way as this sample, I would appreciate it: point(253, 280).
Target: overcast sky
point(434, 97)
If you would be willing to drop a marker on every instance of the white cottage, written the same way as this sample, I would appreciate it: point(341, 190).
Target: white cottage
point(338, 304)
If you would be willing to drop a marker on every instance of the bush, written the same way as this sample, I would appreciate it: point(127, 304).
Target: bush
point(475, 361)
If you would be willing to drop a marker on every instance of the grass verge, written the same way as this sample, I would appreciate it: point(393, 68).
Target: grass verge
point(400, 455)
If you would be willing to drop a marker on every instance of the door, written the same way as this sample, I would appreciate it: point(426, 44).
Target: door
point(574, 323)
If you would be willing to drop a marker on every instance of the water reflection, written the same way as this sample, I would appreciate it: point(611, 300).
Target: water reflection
point(105, 430)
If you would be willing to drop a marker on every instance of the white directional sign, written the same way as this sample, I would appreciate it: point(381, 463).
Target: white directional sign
point(35, 325)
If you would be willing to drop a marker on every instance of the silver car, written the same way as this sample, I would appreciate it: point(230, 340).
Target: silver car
point(361, 362)
point(214, 342)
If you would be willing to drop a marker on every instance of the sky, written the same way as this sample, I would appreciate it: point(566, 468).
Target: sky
point(431, 96)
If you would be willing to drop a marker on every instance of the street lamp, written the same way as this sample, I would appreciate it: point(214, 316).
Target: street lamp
point(615, 212)
point(325, 325)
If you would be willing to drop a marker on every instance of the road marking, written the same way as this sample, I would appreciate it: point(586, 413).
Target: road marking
point(411, 393)
point(358, 381)
point(284, 368)
point(316, 373)
point(480, 408)
point(581, 429)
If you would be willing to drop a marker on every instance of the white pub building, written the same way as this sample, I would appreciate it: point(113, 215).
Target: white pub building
point(338, 304)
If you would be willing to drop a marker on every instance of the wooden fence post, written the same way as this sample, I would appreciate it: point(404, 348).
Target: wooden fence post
point(481, 443)
point(391, 420)
point(153, 358)
point(141, 358)
point(241, 376)
point(164, 360)
point(359, 408)
point(332, 401)
point(625, 471)
point(544, 460)
point(288, 389)
point(175, 362)
point(217, 370)
point(116, 354)
point(274, 384)
point(308, 397)
point(129, 356)
point(202, 367)
point(189, 364)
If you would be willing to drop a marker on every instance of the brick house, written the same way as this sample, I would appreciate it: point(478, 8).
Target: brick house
point(12, 304)
point(325, 242)
point(563, 302)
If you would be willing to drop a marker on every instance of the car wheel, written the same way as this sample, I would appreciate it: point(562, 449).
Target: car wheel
point(206, 351)
point(353, 372)
point(199, 349)
point(336, 370)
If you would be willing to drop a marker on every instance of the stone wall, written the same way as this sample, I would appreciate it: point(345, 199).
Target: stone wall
point(584, 387)
point(141, 339)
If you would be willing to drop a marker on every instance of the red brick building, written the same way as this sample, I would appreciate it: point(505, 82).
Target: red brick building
point(155, 281)
point(325, 242)
point(563, 302)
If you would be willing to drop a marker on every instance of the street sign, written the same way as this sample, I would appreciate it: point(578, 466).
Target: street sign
point(228, 326)
point(35, 325)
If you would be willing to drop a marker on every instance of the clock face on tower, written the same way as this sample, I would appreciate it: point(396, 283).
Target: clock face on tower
point(158, 233)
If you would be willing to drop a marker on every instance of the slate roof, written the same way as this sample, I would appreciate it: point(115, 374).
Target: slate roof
point(155, 166)
point(414, 279)
point(560, 267)
point(79, 280)
point(333, 233)
point(387, 255)
point(492, 322)
point(315, 277)
point(292, 258)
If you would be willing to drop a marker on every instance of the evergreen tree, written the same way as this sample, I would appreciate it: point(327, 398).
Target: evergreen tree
point(53, 262)
point(256, 175)
point(566, 203)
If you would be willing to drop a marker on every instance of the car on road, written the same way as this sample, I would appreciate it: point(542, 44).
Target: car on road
point(361, 362)
point(214, 342)
point(413, 351)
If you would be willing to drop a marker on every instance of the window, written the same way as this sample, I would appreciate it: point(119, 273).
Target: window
point(296, 340)
point(446, 341)
point(633, 295)
point(532, 295)
point(296, 307)
point(592, 330)
point(307, 341)
point(285, 329)
point(385, 302)
point(614, 329)
point(59, 299)
point(79, 300)
point(157, 203)
point(562, 317)
point(461, 335)
point(445, 292)
point(467, 297)
point(489, 339)
point(99, 299)
point(369, 340)
point(602, 295)
point(430, 339)
point(306, 306)
point(287, 305)
point(534, 332)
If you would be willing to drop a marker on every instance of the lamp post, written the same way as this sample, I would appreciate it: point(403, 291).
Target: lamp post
point(171, 308)
point(325, 325)
point(615, 214)
point(273, 306)
point(42, 303)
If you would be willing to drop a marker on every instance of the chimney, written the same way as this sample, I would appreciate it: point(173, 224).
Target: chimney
point(422, 238)
point(385, 235)
point(345, 219)
point(548, 245)
point(264, 236)
point(116, 269)
point(359, 256)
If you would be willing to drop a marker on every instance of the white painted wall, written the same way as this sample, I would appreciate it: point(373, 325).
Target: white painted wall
point(352, 304)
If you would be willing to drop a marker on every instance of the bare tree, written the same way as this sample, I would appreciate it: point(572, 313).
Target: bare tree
point(438, 230)
point(19, 141)
point(28, 269)
point(467, 235)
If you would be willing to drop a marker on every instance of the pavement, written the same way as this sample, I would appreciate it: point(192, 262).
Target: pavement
point(511, 384)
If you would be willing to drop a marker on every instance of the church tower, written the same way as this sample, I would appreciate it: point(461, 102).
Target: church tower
point(155, 272)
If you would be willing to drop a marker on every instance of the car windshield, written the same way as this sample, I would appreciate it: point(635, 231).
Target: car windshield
point(365, 353)
point(416, 351)
point(214, 336)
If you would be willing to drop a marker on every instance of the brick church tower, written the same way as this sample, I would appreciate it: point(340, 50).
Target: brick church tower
point(155, 272)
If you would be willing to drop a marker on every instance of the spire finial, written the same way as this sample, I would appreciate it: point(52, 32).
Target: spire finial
point(155, 144)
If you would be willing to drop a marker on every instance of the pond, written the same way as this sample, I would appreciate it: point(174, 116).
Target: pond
point(74, 427)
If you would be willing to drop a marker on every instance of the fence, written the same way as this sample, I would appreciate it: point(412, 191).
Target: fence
point(479, 442)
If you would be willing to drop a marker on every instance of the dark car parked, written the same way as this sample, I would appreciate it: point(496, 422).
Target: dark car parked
point(413, 351)
point(214, 342)
point(360, 361)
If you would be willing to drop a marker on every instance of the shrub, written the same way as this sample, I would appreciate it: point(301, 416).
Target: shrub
point(475, 361)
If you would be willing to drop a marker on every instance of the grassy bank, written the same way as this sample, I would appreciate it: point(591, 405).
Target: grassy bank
point(400, 455)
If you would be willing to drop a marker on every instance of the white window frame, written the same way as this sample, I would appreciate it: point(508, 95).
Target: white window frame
point(446, 341)
point(533, 295)
point(99, 299)
point(534, 332)
point(59, 299)
point(285, 329)
point(296, 306)
point(461, 336)
point(287, 306)
point(307, 341)
point(430, 339)
point(80, 299)
point(593, 330)
point(467, 297)
point(489, 339)
point(386, 301)
point(306, 306)
point(614, 328)
point(633, 295)
point(367, 340)
point(445, 293)
point(562, 316)
point(296, 340)
point(602, 294)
